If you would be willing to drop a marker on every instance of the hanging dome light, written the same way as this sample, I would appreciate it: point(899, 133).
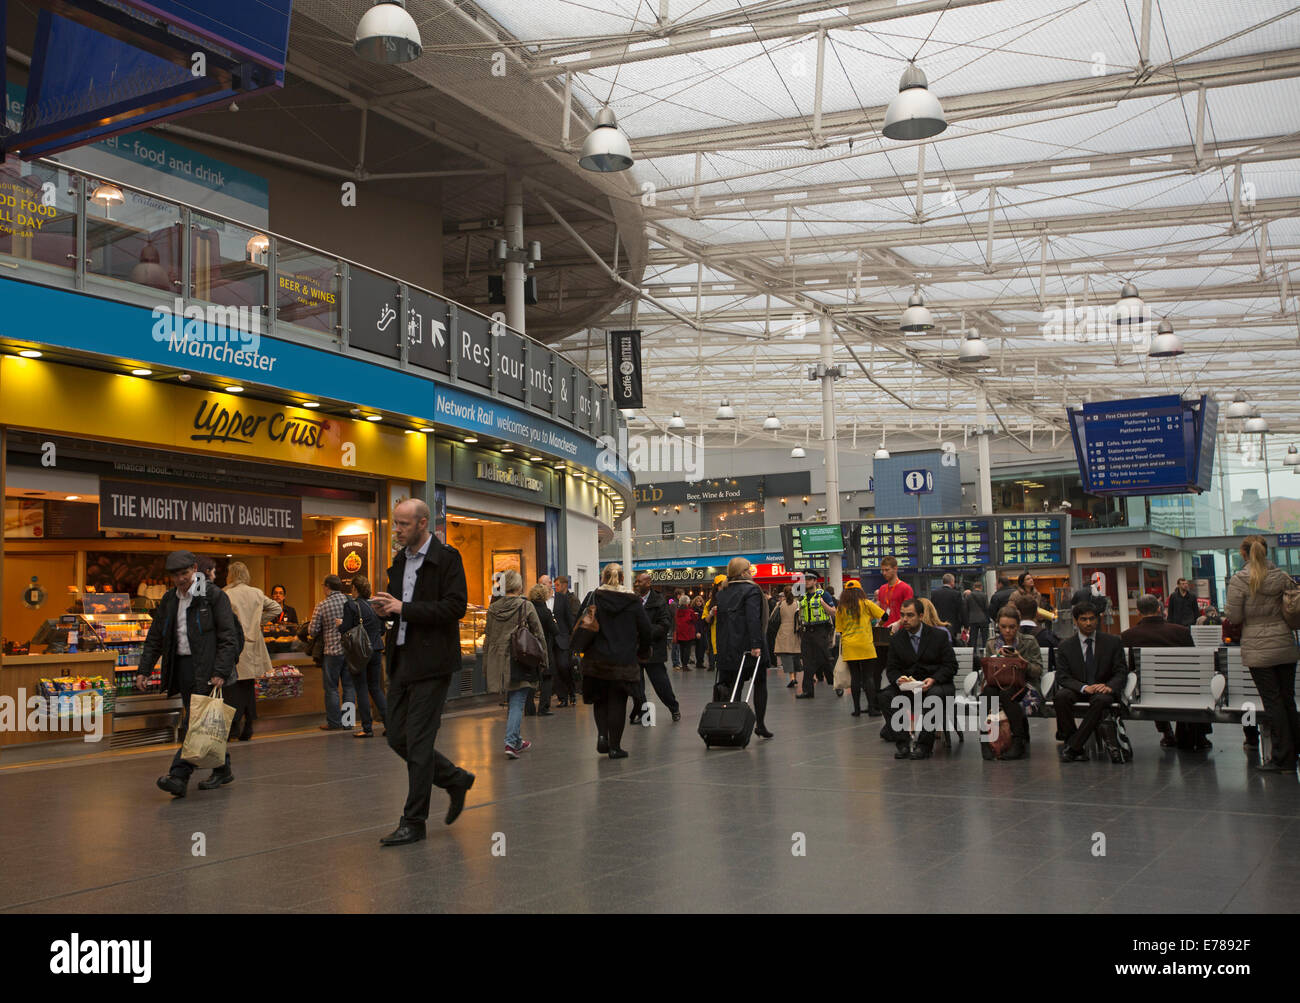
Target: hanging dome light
point(258, 245)
point(915, 113)
point(1130, 311)
point(606, 148)
point(1255, 424)
point(1292, 458)
point(725, 411)
point(882, 453)
point(973, 349)
point(797, 453)
point(107, 195)
point(629, 415)
point(1240, 407)
point(772, 423)
point(386, 33)
point(1166, 344)
point(677, 421)
point(916, 317)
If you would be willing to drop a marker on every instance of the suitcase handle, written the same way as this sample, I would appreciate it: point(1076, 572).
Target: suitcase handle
point(740, 674)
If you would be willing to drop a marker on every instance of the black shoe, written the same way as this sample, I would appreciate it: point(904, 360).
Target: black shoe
point(617, 754)
point(246, 735)
point(839, 693)
point(458, 792)
point(922, 752)
point(363, 733)
point(872, 712)
point(855, 713)
point(634, 719)
point(402, 835)
point(1016, 750)
point(330, 727)
point(530, 712)
point(602, 744)
point(1069, 755)
point(561, 703)
point(174, 786)
point(904, 750)
point(790, 685)
point(544, 713)
point(1168, 742)
point(762, 733)
point(677, 715)
point(216, 780)
point(803, 696)
point(1203, 745)
point(986, 750)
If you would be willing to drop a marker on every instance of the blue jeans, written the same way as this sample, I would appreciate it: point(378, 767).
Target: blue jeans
point(515, 715)
point(334, 671)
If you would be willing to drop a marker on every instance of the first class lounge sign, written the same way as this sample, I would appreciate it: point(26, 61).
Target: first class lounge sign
point(132, 506)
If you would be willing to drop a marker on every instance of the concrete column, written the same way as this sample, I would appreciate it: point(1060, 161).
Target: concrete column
point(627, 550)
point(515, 272)
point(830, 448)
point(984, 477)
point(1121, 597)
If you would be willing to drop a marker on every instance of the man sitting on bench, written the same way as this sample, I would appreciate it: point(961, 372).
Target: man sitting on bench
point(1089, 666)
point(924, 655)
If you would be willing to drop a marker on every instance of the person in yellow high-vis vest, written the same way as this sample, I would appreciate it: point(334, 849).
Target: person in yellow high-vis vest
point(816, 632)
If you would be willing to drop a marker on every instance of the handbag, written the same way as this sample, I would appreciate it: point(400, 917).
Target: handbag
point(843, 679)
point(1002, 740)
point(208, 730)
point(1004, 673)
point(586, 629)
point(313, 646)
point(1291, 607)
point(357, 648)
point(524, 646)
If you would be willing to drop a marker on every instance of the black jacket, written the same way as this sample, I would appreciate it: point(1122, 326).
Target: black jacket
point(742, 626)
point(999, 599)
point(1183, 609)
point(935, 660)
point(548, 632)
point(1043, 635)
point(624, 632)
point(1099, 603)
point(215, 640)
point(433, 615)
point(976, 613)
point(374, 625)
point(1112, 666)
point(566, 618)
point(948, 604)
point(661, 624)
point(1157, 632)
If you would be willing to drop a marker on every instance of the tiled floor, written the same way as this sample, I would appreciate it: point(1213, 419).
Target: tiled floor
point(673, 828)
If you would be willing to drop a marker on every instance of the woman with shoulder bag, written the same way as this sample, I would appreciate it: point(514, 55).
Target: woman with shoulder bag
point(1011, 643)
point(252, 609)
point(611, 669)
point(853, 616)
point(786, 647)
point(502, 670)
point(370, 683)
point(1268, 649)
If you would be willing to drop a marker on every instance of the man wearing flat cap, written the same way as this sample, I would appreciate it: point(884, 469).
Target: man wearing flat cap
point(195, 633)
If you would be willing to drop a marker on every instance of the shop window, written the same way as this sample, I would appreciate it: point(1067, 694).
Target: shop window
point(38, 215)
point(228, 263)
point(307, 289)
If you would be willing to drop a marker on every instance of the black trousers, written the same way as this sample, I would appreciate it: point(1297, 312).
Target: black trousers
point(544, 693)
point(658, 673)
point(979, 635)
point(1009, 703)
point(1098, 705)
point(185, 669)
point(1276, 685)
point(702, 654)
point(243, 697)
point(684, 649)
point(563, 675)
point(815, 653)
point(608, 706)
point(865, 673)
point(893, 700)
point(414, 714)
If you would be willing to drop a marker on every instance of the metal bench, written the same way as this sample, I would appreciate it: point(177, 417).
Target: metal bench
point(1207, 635)
point(1176, 684)
point(1242, 699)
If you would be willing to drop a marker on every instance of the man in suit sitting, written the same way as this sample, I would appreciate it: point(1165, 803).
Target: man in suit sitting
point(1089, 666)
point(922, 653)
point(1154, 631)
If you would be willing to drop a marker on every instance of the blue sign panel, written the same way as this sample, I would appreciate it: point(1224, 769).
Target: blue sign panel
point(871, 541)
point(961, 543)
point(1036, 539)
point(1145, 446)
point(918, 482)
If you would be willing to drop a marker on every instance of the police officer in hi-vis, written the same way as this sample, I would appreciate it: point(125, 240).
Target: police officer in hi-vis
point(816, 631)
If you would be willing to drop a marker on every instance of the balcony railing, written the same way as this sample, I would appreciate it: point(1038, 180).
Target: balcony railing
point(705, 543)
point(81, 231)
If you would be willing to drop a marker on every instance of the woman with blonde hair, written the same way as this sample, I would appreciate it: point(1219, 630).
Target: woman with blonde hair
point(741, 621)
point(1268, 646)
point(930, 616)
point(501, 670)
point(252, 609)
point(611, 669)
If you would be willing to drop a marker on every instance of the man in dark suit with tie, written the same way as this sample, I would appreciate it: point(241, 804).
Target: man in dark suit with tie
point(1089, 667)
point(948, 603)
point(1154, 631)
point(924, 654)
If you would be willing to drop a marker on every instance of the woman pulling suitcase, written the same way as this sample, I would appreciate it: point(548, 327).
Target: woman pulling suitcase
point(741, 633)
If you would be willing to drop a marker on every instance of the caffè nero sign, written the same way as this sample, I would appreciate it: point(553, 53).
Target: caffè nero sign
point(485, 471)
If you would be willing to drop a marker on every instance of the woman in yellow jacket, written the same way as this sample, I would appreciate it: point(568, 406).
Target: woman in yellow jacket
point(853, 618)
point(710, 616)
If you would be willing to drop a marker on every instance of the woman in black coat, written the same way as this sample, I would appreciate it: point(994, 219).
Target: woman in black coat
point(373, 683)
point(742, 619)
point(610, 667)
point(537, 594)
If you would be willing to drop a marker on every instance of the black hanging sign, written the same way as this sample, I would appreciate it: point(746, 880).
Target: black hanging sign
point(625, 354)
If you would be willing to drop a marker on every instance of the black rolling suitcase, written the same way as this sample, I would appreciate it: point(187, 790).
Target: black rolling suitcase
point(731, 723)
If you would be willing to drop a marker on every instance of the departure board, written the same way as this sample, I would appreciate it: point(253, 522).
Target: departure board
point(960, 543)
point(795, 559)
point(1033, 540)
point(870, 541)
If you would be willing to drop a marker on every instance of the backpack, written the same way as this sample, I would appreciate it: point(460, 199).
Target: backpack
point(356, 645)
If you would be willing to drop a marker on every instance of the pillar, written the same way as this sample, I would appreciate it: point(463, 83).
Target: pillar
point(515, 271)
point(830, 448)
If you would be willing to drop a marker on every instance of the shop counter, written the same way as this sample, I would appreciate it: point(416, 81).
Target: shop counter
point(20, 679)
point(312, 700)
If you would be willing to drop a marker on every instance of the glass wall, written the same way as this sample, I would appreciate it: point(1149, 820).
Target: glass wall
point(38, 213)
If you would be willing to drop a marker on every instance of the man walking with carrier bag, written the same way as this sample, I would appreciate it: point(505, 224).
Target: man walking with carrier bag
point(195, 633)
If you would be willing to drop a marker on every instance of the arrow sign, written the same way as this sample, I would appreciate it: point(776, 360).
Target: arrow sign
point(918, 482)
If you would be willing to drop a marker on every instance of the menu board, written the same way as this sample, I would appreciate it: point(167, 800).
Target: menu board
point(961, 543)
point(1033, 540)
point(871, 541)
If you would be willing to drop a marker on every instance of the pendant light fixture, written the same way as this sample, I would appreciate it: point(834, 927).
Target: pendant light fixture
point(677, 421)
point(973, 349)
point(882, 453)
point(1130, 311)
point(916, 317)
point(1240, 407)
point(725, 411)
point(914, 113)
point(257, 247)
point(387, 34)
point(1292, 458)
point(772, 423)
point(606, 149)
point(1166, 344)
point(1255, 424)
point(797, 453)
